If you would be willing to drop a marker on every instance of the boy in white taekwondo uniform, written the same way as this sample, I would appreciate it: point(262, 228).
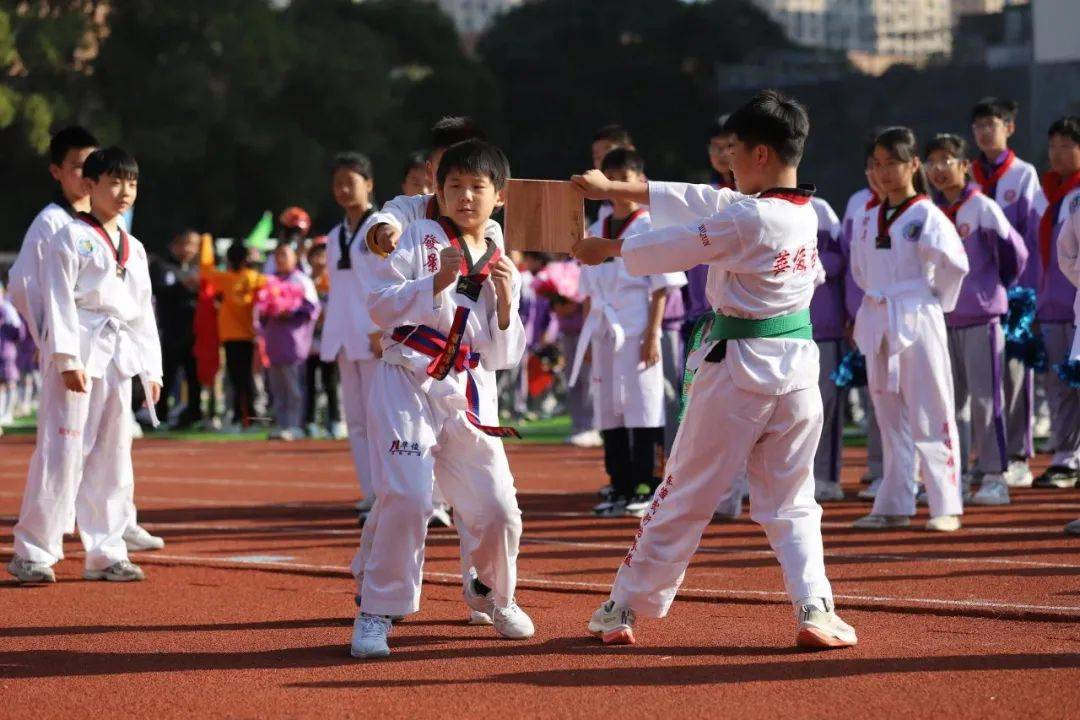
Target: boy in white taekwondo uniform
point(68, 150)
point(908, 258)
point(381, 232)
point(1057, 298)
point(1014, 185)
point(349, 336)
point(996, 255)
point(99, 332)
point(433, 397)
point(755, 399)
point(623, 324)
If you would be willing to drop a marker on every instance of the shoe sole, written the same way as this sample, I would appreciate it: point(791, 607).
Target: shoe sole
point(622, 635)
point(112, 579)
point(1055, 484)
point(815, 639)
point(368, 656)
point(43, 580)
point(476, 621)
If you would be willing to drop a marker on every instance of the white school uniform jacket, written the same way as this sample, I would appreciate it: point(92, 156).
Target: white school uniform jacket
point(407, 209)
point(93, 316)
point(923, 267)
point(347, 325)
point(762, 258)
point(1068, 257)
point(402, 294)
point(618, 301)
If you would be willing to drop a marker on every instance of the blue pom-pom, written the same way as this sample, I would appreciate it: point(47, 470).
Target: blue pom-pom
point(1021, 340)
point(851, 370)
point(1069, 372)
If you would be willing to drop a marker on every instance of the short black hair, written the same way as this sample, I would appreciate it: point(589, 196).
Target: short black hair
point(357, 162)
point(476, 157)
point(1068, 126)
point(73, 137)
point(623, 159)
point(952, 144)
point(237, 254)
point(452, 130)
point(716, 129)
point(1001, 108)
point(614, 133)
point(111, 161)
point(774, 120)
point(416, 159)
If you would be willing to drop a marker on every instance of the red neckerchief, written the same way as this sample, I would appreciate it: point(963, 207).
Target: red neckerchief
point(627, 222)
point(1056, 188)
point(473, 274)
point(874, 200)
point(120, 251)
point(952, 210)
point(799, 196)
point(432, 211)
point(989, 182)
point(884, 223)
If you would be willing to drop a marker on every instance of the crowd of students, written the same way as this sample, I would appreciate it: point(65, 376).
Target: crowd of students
point(942, 313)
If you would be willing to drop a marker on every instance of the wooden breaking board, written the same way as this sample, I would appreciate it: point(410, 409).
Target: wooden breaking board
point(543, 215)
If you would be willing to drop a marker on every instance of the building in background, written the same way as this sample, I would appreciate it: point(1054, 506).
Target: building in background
point(995, 40)
point(982, 7)
point(875, 34)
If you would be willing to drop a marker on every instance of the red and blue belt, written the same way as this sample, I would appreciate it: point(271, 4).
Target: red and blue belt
point(448, 353)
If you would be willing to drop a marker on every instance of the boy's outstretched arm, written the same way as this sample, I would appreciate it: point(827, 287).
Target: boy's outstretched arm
point(594, 185)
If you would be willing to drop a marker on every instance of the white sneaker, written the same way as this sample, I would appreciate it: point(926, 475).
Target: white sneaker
point(1073, 528)
point(478, 618)
point(512, 623)
point(273, 433)
point(994, 491)
point(369, 636)
point(339, 431)
point(138, 539)
point(614, 624)
point(943, 523)
point(881, 522)
point(314, 432)
point(825, 491)
point(871, 492)
point(820, 627)
point(30, 572)
point(441, 517)
point(136, 430)
point(1019, 474)
point(585, 439)
point(120, 571)
point(479, 603)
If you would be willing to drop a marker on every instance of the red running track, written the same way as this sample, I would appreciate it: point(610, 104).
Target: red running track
point(248, 610)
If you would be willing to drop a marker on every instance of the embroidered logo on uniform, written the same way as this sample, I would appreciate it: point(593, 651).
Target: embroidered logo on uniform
point(703, 235)
point(404, 447)
point(912, 231)
point(781, 263)
point(85, 247)
point(963, 229)
point(661, 493)
point(1010, 195)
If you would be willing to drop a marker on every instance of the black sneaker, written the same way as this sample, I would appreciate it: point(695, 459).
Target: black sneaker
point(1057, 476)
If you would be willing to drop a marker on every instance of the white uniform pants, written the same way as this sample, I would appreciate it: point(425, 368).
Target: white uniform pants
point(413, 437)
point(356, 379)
point(918, 426)
point(625, 392)
point(725, 428)
point(82, 458)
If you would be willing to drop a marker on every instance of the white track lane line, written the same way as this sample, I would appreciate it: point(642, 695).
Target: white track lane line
point(603, 588)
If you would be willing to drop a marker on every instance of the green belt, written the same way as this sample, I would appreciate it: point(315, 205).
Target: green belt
point(794, 326)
